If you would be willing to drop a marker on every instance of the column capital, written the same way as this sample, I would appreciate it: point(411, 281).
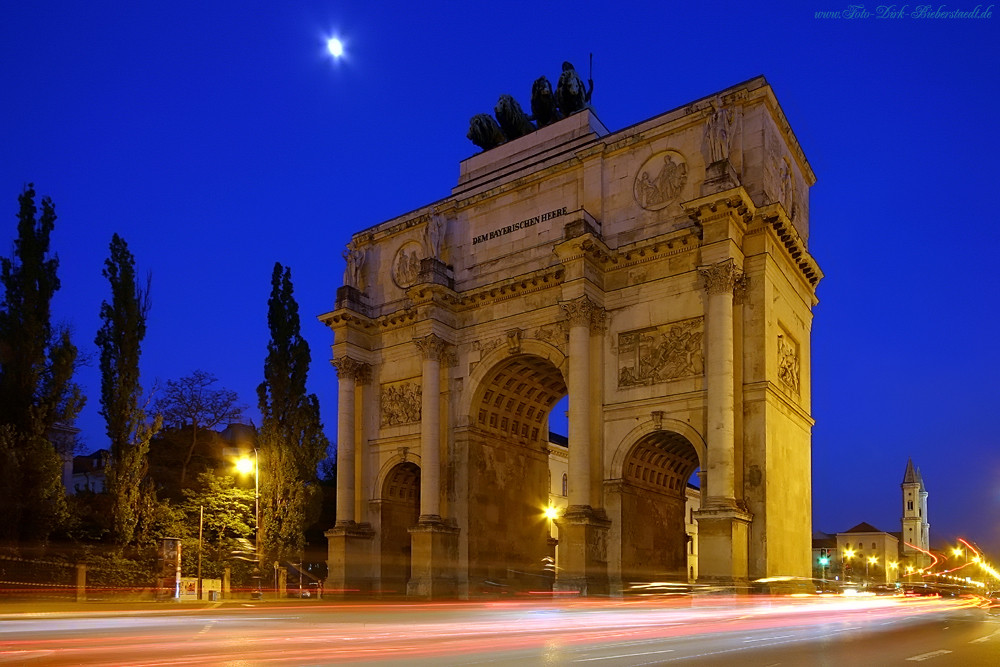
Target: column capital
point(741, 289)
point(432, 347)
point(350, 368)
point(721, 278)
point(582, 311)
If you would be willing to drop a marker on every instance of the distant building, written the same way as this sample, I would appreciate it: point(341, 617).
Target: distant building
point(864, 554)
point(88, 473)
point(916, 535)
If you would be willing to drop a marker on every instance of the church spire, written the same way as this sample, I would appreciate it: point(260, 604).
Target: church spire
point(911, 476)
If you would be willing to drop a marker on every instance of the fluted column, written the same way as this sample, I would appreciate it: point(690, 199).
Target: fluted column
point(580, 314)
point(350, 373)
point(431, 349)
point(720, 280)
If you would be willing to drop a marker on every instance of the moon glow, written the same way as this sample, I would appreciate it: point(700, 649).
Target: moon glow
point(335, 47)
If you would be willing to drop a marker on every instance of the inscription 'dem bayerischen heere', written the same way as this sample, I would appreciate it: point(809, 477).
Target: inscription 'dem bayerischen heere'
point(528, 222)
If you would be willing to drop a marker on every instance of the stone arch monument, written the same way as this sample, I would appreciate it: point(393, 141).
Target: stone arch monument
point(660, 277)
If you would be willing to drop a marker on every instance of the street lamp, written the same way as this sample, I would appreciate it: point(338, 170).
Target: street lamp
point(244, 467)
point(872, 560)
point(848, 555)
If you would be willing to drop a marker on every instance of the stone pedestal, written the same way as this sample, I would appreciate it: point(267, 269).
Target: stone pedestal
point(349, 557)
point(583, 551)
point(719, 176)
point(433, 560)
point(723, 546)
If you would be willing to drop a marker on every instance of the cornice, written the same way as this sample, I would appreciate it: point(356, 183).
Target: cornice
point(718, 204)
point(773, 216)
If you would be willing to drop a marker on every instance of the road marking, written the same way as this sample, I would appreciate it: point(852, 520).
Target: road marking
point(928, 656)
point(767, 639)
point(624, 655)
point(987, 637)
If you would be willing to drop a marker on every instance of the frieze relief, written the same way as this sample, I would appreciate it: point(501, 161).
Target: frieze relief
point(788, 362)
point(399, 403)
point(661, 354)
point(660, 180)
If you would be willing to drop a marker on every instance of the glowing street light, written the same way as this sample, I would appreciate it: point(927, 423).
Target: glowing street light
point(245, 466)
point(848, 555)
point(872, 560)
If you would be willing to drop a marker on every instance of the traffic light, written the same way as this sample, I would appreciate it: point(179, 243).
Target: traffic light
point(824, 557)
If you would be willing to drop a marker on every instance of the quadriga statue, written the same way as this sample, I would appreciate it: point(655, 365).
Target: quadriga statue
point(543, 103)
point(570, 93)
point(484, 131)
point(514, 122)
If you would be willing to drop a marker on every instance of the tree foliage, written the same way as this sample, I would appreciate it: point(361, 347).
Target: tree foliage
point(291, 441)
point(37, 362)
point(228, 521)
point(193, 403)
point(128, 427)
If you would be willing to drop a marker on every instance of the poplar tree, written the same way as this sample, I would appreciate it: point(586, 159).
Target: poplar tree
point(128, 427)
point(291, 442)
point(37, 362)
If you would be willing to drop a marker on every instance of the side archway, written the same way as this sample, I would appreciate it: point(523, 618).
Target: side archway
point(399, 510)
point(652, 470)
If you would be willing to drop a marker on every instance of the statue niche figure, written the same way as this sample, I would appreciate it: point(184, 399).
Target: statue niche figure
point(570, 94)
point(543, 103)
point(514, 122)
point(484, 131)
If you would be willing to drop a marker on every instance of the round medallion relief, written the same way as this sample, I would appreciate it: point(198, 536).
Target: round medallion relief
point(406, 265)
point(660, 180)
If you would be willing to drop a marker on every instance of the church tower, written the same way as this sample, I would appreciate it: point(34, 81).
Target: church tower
point(916, 529)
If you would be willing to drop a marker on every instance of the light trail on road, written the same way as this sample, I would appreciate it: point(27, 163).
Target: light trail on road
point(276, 634)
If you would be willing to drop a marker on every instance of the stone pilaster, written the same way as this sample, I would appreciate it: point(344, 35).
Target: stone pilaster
point(719, 280)
point(581, 316)
point(582, 528)
point(432, 349)
point(350, 373)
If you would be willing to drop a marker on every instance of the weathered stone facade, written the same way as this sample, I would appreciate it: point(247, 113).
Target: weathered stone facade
point(660, 276)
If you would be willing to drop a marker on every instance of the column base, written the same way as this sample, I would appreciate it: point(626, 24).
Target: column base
point(583, 551)
point(433, 559)
point(723, 545)
point(349, 556)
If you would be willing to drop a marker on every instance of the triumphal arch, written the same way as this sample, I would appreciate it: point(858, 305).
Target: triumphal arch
point(660, 277)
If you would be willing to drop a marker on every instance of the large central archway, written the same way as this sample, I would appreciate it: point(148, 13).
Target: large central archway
point(508, 478)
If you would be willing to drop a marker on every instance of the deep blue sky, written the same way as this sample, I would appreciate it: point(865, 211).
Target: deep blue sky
point(218, 138)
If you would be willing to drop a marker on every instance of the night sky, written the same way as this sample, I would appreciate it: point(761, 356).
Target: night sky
point(220, 137)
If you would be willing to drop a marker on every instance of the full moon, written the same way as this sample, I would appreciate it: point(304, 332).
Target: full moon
point(335, 47)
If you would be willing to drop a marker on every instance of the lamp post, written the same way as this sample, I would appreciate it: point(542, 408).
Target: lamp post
point(872, 560)
point(848, 555)
point(243, 466)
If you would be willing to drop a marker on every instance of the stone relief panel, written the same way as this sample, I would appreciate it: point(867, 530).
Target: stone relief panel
point(788, 361)
point(660, 354)
point(399, 403)
point(406, 265)
point(660, 180)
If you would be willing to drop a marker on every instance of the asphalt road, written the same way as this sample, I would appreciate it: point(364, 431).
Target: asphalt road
point(711, 631)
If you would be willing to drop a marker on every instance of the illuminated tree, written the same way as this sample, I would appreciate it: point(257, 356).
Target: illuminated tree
point(37, 362)
point(291, 442)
